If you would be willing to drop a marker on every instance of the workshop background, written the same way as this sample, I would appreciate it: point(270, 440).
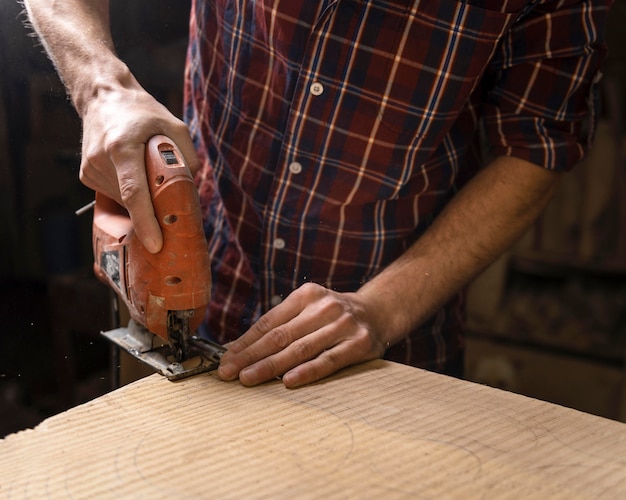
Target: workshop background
point(547, 320)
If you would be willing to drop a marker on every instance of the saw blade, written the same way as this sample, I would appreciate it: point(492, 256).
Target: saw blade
point(152, 350)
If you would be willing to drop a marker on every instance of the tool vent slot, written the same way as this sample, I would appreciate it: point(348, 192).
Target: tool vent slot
point(169, 156)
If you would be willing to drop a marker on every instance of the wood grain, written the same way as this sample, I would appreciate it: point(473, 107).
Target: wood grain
point(375, 430)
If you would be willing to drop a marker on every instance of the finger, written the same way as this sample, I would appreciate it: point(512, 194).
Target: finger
point(121, 175)
point(279, 315)
point(98, 172)
point(273, 333)
point(344, 343)
point(135, 195)
point(275, 365)
point(308, 335)
point(306, 310)
point(94, 179)
point(328, 362)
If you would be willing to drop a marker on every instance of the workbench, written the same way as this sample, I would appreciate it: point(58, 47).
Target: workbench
point(376, 430)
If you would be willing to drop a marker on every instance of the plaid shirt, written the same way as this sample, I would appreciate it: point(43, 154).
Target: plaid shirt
point(332, 133)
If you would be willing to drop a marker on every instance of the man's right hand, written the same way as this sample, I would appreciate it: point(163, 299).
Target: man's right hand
point(117, 124)
point(119, 116)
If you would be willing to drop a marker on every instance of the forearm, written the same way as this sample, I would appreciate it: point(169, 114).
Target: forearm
point(482, 221)
point(118, 115)
point(77, 37)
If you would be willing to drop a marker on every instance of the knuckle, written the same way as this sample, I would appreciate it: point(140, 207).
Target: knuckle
point(180, 127)
point(366, 346)
point(333, 359)
point(310, 290)
point(331, 307)
point(272, 368)
point(309, 287)
point(279, 337)
point(247, 358)
point(303, 350)
point(83, 173)
point(92, 156)
point(116, 145)
point(263, 324)
point(129, 190)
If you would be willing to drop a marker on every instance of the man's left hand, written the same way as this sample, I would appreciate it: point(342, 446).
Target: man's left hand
point(313, 333)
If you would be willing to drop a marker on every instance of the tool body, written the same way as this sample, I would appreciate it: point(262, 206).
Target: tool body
point(166, 293)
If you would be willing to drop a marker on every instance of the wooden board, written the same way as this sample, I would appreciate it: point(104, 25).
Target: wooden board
point(378, 430)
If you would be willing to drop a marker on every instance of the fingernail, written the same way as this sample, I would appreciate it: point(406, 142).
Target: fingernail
point(226, 371)
point(249, 376)
point(292, 379)
point(154, 246)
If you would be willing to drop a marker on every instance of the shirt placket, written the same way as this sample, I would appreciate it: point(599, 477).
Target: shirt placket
point(281, 232)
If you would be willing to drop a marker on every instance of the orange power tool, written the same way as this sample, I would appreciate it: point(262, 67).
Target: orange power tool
point(166, 293)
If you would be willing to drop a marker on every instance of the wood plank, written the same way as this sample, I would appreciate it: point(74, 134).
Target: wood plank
point(375, 430)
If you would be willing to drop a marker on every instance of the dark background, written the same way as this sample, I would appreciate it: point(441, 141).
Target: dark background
point(51, 307)
point(547, 320)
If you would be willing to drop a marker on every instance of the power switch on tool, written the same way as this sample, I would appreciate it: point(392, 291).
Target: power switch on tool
point(169, 157)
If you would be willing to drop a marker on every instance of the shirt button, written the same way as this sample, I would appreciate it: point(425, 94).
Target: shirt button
point(295, 167)
point(317, 88)
point(275, 300)
point(279, 243)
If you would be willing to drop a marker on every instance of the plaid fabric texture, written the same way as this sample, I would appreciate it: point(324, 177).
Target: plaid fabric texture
point(332, 133)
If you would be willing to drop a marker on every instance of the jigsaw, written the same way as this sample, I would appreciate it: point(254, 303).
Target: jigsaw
point(166, 293)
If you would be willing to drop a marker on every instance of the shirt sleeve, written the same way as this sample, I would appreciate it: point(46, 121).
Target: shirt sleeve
point(542, 94)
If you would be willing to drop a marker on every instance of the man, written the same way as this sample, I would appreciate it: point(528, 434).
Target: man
point(358, 162)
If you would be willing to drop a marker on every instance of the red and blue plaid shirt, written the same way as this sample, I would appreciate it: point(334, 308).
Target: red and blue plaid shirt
point(332, 133)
